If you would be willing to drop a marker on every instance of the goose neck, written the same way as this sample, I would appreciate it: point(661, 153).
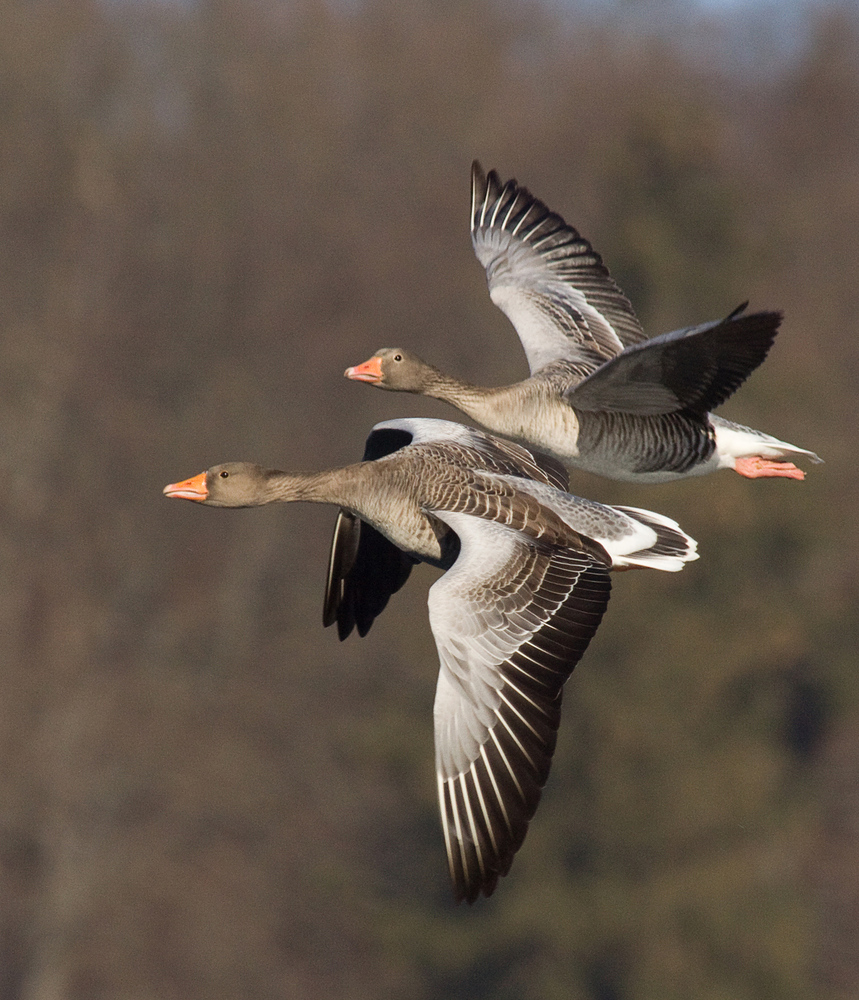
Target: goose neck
point(336, 486)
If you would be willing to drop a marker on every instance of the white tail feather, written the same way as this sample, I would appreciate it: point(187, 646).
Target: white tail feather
point(735, 441)
point(665, 545)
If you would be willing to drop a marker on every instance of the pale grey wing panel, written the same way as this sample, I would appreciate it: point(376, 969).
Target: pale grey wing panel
point(547, 279)
point(511, 619)
point(623, 536)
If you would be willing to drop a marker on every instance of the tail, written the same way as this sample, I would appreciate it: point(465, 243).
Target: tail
point(669, 550)
point(628, 536)
point(735, 441)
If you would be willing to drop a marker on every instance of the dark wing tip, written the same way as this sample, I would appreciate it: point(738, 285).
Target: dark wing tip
point(478, 191)
point(741, 343)
point(341, 560)
point(487, 190)
point(364, 571)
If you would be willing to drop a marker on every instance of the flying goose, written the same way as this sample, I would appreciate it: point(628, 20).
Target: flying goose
point(526, 586)
point(600, 397)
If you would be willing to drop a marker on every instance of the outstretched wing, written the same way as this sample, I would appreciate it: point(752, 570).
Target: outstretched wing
point(548, 280)
point(511, 619)
point(694, 369)
point(364, 568)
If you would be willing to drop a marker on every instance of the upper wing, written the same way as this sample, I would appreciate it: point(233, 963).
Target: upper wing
point(364, 568)
point(693, 369)
point(496, 454)
point(547, 279)
point(511, 619)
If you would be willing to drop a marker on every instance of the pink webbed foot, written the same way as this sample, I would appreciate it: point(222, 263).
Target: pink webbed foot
point(755, 467)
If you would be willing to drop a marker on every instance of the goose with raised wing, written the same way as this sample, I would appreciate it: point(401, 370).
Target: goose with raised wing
point(600, 396)
point(526, 584)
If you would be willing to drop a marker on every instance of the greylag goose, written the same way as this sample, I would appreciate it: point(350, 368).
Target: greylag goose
point(600, 397)
point(526, 586)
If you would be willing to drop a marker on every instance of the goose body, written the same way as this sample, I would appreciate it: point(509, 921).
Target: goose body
point(600, 396)
point(526, 585)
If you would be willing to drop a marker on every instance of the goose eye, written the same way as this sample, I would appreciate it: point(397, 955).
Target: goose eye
point(398, 357)
point(224, 474)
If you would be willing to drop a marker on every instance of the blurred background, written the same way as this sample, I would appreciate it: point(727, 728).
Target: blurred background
point(207, 210)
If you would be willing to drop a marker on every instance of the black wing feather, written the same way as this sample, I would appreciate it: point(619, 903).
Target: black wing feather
point(364, 568)
point(694, 369)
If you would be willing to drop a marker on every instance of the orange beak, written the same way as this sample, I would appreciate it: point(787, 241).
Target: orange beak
point(189, 489)
point(369, 371)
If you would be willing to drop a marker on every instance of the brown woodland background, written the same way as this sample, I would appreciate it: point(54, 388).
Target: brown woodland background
point(206, 212)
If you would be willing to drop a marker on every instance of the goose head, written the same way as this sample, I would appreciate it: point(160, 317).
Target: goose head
point(395, 369)
point(231, 484)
